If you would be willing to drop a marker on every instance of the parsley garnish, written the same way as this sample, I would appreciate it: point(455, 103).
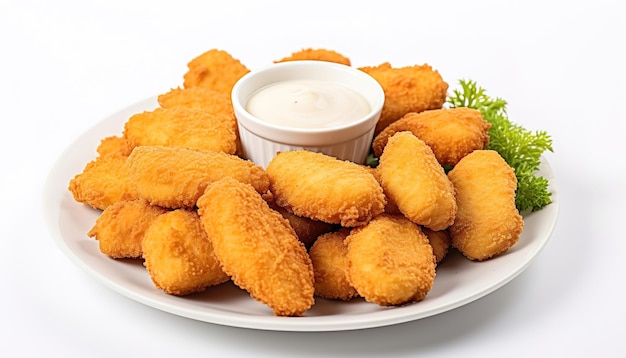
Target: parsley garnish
point(520, 148)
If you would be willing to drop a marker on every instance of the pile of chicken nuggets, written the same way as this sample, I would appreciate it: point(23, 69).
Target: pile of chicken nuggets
point(175, 193)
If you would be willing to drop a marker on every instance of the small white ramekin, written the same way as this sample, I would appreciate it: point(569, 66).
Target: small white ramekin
point(261, 140)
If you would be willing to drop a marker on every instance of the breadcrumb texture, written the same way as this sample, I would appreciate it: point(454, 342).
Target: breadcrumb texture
point(391, 261)
point(320, 54)
point(176, 177)
point(450, 133)
point(216, 70)
point(121, 227)
point(103, 182)
point(308, 230)
point(440, 242)
point(414, 180)
point(183, 127)
point(487, 223)
point(197, 97)
point(179, 255)
point(257, 247)
point(324, 188)
point(407, 89)
point(114, 145)
point(329, 255)
point(216, 103)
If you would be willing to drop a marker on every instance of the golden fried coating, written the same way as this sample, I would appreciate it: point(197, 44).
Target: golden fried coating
point(121, 227)
point(391, 261)
point(487, 222)
point(183, 127)
point(450, 133)
point(317, 55)
point(216, 70)
point(390, 207)
point(179, 255)
point(321, 187)
point(257, 247)
point(103, 182)
point(197, 97)
point(114, 145)
point(176, 177)
point(329, 255)
point(413, 179)
point(407, 89)
point(440, 241)
point(306, 229)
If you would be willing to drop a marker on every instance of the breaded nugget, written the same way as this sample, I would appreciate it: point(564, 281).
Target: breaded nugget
point(257, 247)
point(390, 207)
point(440, 241)
point(114, 145)
point(215, 69)
point(450, 133)
point(487, 222)
point(306, 229)
point(407, 89)
point(176, 177)
point(391, 261)
point(121, 227)
point(179, 255)
point(321, 187)
point(183, 127)
point(413, 179)
point(103, 182)
point(329, 255)
point(197, 97)
point(317, 55)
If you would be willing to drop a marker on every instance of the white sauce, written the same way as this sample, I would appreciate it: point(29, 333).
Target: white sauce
point(307, 104)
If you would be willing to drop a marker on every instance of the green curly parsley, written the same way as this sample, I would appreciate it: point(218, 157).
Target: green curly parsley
point(520, 148)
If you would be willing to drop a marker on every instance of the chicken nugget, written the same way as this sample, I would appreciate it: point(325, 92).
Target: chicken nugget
point(450, 133)
point(413, 179)
point(407, 89)
point(307, 230)
point(197, 97)
point(121, 227)
point(214, 102)
point(317, 55)
point(179, 255)
point(103, 182)
point(322, 187)
point(487, 222)
point(440, 241)
point(176, 177)
point(183, 127)
point(390, 207)
point(329, 255)
point(216, 70)
point(257, 247)
point(391, 261)
point(114, 145)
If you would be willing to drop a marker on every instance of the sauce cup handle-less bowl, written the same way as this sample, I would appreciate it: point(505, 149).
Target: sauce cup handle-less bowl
point(261, 140)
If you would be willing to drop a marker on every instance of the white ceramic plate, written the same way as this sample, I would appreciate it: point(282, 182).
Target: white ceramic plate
point(458, 281)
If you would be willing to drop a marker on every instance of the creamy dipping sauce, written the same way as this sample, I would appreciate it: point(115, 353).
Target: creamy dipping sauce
point(307, 104)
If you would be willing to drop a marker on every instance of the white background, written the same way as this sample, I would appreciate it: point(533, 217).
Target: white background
point(65, 65)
